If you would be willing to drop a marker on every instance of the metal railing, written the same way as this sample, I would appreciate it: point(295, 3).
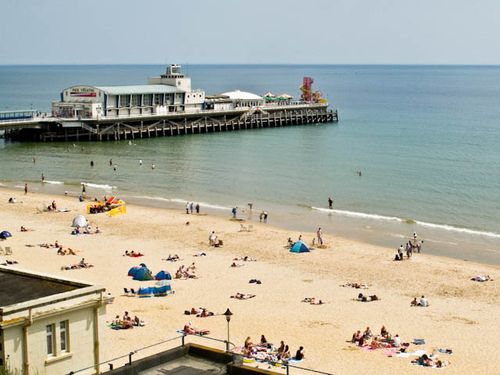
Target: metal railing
point(130, 354)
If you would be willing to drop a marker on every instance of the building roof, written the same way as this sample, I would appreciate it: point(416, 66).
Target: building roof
point(17, 287)
point(241, 95)
point(139, 89)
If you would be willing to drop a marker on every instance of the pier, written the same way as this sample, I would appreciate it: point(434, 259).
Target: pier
point(131, 127)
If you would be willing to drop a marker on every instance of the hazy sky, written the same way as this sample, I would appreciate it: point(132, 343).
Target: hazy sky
point(251, 31)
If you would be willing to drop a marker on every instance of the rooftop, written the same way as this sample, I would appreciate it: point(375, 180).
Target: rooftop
point(241, 95)
point(18, 287)
point(139, 89)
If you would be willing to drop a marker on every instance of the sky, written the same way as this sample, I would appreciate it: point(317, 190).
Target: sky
point(250, 32)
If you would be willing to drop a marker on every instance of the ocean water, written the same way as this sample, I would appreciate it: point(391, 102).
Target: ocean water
point(426, 138)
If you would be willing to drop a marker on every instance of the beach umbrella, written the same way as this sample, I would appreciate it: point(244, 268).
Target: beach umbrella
point(79, 222)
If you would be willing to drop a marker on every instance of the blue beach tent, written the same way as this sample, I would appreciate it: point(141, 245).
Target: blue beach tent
point(299, 247)
point(133, 270)
point(143, 274)
point(4, 235)
point(163, 275)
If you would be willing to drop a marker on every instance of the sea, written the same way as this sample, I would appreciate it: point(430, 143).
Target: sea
point(426, 140)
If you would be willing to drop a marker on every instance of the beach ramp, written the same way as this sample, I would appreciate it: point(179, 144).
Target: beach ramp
point(299, 247)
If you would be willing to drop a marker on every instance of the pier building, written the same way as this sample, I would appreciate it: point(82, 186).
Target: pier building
point(165, 106)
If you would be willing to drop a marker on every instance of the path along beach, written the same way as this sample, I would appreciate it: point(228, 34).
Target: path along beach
point(463, 315)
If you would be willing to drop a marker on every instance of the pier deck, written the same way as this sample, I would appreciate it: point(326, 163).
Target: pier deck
point(145, 126)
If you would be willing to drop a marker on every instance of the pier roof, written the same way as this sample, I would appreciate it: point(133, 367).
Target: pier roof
point(139, 89)
point(241, 95)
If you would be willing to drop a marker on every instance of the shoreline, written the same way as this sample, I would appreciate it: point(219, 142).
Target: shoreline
point(461, 312)
point(466, 244)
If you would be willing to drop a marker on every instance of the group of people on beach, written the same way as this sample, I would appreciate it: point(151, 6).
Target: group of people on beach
point(385, 339)
point(266, 351)
point(213, 239)
point(127, 322)
point(184, 272)
point(414, 245)
point(191, 208)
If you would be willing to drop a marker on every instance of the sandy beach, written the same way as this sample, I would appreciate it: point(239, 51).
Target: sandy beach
point(463, 315)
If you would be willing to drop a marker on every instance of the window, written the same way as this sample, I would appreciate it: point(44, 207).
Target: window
point(50, 339)
point(136, 100)
point(64, 336)
point(147, 100)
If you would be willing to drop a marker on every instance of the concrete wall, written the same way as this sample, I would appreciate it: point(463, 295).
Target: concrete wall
point(80, 352)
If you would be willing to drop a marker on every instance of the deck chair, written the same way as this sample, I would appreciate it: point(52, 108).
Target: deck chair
point(132, 291)
point(127, 292)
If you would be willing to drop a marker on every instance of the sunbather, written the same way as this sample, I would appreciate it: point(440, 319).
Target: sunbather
point(482, 278)
point(243, 296)
point(205, 313)
point(190, 330)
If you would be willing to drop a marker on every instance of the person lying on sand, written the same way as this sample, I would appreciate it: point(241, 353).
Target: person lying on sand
point(24, 229)
point(190, 330)
point(255, 281)
point(315, 301)
point(243, 296)
point(201, 254)
point(81, 264)
point(355, 285)
point(245, 259)
point(9, 262)
point(68, 251)
point(133, 254)
point(482, 278)
point(172, 258)
point(205, 313)
point(236, 265)
point(363, 298)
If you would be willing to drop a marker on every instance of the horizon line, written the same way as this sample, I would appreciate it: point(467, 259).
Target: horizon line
point(252, 64)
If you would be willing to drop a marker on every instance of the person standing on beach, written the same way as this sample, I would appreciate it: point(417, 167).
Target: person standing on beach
point(191, 207)
point(187, 208)
point(319, 234)
point(234, 211)
point(330, 203)
point(25, 189)
point(261, 216)
point(110, 162)
point(265, 217)
point(197, 208)
point(83, 189)
point(43, 177)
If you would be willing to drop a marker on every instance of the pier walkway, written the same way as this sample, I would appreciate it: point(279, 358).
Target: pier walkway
point(171, 124)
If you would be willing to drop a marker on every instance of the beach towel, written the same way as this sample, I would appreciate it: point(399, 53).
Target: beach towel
point(418, 341)
point(390, 352)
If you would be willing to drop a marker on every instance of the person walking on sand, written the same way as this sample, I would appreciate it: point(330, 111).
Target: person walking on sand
point(319, 235)
point(330, 203)
point(187, 208)
point(197, 208)
point(25, 189)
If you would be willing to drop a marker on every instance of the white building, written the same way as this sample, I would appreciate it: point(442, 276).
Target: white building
point(244, 99)
point(50, 325)
point(171, 92)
